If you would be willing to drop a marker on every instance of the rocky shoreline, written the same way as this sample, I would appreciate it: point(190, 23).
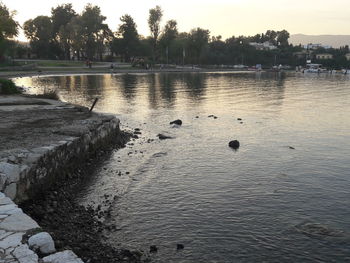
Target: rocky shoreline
point(48, 151)
point(73, 226)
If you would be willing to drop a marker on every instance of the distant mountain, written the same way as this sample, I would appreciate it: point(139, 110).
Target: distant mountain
point(332, 40)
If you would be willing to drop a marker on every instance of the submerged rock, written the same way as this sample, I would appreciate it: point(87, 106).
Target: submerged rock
point(153, 249)
point(234, 144)
point(318, 230)
point(163, 137)
point(180, 246)
point(177, 122)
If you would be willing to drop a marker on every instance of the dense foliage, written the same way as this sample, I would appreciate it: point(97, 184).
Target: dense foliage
point(7, 86)
point(69, 35)
point(8, 29)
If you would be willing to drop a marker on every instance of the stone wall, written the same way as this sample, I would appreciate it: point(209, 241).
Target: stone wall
point(30, 171)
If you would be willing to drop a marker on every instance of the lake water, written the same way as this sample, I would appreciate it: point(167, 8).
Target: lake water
point(265, 202)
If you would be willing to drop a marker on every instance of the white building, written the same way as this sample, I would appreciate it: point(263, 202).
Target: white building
point(347, 56)
point(324, 56)
point(263, 46)
point(316, 46)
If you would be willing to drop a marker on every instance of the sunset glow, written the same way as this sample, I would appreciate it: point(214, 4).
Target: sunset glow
point(223, 17)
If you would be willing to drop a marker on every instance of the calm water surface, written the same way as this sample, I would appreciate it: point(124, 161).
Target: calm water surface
point(264, 202)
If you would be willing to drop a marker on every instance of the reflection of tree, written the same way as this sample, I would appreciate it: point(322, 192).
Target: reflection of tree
point(167, 86)
point(152, 91)
point(271, 86)
point(196, 84)
point(128, 86)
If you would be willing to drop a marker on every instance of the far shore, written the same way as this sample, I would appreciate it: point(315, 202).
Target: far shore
point(75, 71)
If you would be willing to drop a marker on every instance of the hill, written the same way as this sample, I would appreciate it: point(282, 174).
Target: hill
point(333, 40)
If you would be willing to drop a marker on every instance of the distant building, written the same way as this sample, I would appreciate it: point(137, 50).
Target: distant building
point(324, 56)
point(301, 54)
point(263, 46)
point(347, 56)
point(316, 46)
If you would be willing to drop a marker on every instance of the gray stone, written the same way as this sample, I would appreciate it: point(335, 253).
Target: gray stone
point(66, 256)
point(4, 234)
point(11, 241)
point(12, 171)
point(18, 222)
point(24, 255)
point(9, 209)
point(32, 158)
point(42, 241)
point(5, 201)
point(11, 190)
point(3, 181)
point(22, 155)
point(8, 259)
point(12, 159)
point(40, 150)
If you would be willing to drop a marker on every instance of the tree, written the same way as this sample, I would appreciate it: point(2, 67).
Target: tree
point(61, 16)
point(282, 38)
point(130, 38)
point(74, 31)
point(93, 29)
point(8, 28)
point(168, 36)
point(270, 36)
point(217, 51)
point(93, 32)
point(39, 32)
point(198, 41)
point(104, 38)
point(170, 31)
point(155, 16)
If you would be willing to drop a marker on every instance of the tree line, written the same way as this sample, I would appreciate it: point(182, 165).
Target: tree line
point(69, 35)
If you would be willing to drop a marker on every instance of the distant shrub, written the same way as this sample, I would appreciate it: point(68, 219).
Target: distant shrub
point(7, 86)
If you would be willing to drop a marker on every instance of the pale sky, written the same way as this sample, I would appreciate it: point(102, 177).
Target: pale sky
point(221, 17)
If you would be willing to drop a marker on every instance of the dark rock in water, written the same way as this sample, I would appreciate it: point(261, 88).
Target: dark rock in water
point(163, 137)
point(137, 132)
point(209, 116)
point(239, 119)
point(135, 136)
point(180, 246)
point(197, 117)
point(234, 144)
point(215, 117)
point(177, 122)
point(241, 122)
point(153, 249)
point(290, 147)
point(137, 129)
